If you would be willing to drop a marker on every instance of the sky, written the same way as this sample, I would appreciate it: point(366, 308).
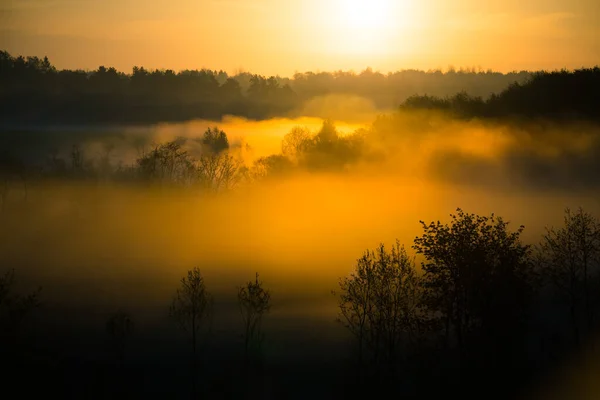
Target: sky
point(281, 37)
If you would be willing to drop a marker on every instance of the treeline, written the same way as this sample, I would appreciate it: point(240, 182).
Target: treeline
point(473, 315)
point(33, 91)
point(565, 95)
point(483, 309)
point(209, 163)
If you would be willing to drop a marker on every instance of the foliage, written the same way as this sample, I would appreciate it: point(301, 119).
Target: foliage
point(32, 90)
point(215, 140)
point(170, 164)
point(477, 279)
point(551, 95)
point(323, 150)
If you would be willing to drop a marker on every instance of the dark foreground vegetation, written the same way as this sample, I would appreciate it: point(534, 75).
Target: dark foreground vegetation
point(481, 310)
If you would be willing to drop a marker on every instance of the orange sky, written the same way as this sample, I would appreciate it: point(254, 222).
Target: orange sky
point(285, 36)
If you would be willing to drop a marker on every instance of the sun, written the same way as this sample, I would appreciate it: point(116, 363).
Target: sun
point(365, 14)
point(361, 27)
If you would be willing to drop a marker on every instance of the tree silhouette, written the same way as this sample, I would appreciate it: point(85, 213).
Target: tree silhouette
point(119, 328)
point(551, 95)
point(34, 91)
point(191, 310)
point(296, 143)
point(380, 305)
point(478, 279)
point(254, 302)
point(218, 172)
point(570, 257)
point(275, 165)
point(14, 307)
point(215, 140)
point(167, 164)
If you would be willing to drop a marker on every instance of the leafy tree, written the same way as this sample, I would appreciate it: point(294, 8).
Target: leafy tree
point(271, 166)
point(477, 278)
point(327, 137)
point(215, 140)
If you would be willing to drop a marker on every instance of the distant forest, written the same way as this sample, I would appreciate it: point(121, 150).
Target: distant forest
point(558, 95)
point(33, 91)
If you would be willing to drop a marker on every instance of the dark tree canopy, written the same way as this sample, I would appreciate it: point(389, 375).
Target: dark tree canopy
point(33, 91)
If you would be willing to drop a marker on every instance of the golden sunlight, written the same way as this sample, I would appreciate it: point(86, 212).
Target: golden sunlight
point(363, 27)
point(364, 14)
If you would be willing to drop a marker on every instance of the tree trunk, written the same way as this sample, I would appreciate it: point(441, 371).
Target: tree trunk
point(574, 324)
point(194, 362)
point(588, 308)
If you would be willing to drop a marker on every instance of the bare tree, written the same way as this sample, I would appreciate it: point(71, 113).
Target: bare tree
point(218, 171)
point(570, 258)
point(119, 328)
point(296, 143)
point(170, 164)
point(4, 190)
point(14, 307)
point(167, 163)
point(380, 305)
point(191, 309)
point(254, 302)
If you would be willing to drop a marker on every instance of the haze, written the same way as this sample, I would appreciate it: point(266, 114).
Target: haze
point(300, 199)
point(281, 37)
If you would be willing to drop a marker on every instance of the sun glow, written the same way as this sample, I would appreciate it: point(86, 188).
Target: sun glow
point(365, 14)
point(362, 27)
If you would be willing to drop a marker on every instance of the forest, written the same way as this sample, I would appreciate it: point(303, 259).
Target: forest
point(34, 92)
point(448, 247)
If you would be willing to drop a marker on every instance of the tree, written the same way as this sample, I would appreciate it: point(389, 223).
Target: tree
point(570, 258)
point(274, 165)
point(296, 143)
point(477, 278)
point(217, 172)
point(380, 304)
point(14, 307)
point(215, 140)
point(327, 136)
point(167, 163)
point(119, 328)
point(254, 302)
point(191, 309)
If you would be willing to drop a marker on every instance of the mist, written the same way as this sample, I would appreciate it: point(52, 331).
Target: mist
point(302, 230)
point(86, 216)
